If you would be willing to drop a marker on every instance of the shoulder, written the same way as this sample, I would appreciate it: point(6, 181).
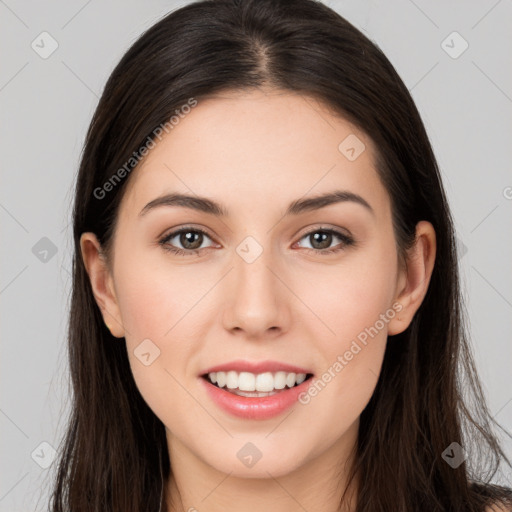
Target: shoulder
point(499, 507)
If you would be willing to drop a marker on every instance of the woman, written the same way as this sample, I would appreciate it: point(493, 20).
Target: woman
point(266, 311)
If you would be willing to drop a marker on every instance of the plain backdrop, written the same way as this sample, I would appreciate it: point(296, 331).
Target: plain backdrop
point(461, 83)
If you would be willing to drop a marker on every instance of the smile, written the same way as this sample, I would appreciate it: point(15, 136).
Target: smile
point(255, 391)
point(255, 385)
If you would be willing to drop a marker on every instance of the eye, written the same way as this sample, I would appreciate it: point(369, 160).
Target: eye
point(191, 239)
point(320, 240)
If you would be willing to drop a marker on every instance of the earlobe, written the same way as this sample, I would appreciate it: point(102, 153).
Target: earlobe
point(101, 283)
point(414, 280)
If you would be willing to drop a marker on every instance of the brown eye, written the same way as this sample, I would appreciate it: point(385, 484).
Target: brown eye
point(320, 241)
point(190, 240)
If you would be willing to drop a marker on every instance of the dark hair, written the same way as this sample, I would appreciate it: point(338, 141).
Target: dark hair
point(115, 454)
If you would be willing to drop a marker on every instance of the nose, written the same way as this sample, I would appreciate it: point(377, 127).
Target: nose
point(257, 305)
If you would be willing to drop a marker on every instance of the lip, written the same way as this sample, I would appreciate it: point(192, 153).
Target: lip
point(256, 367)
point(255, 408)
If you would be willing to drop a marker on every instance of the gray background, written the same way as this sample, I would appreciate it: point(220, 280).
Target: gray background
point(466, 104)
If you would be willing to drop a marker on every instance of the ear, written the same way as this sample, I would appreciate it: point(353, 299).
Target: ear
point(102, 283)
point(413, 281)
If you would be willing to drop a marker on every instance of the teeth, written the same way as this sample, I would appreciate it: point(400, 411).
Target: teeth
point(246, 381)
point(231, 380)
point(262, 382)
point(280, 380)
point(221, 379)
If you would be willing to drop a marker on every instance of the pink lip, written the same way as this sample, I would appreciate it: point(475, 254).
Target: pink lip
point(258, 408)
point(261, 367)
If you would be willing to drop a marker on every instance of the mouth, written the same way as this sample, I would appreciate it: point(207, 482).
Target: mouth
point(252, 385)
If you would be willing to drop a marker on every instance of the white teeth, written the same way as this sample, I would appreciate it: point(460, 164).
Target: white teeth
point(280, 380)
point(253, 394)
point(290, 380)
point(232, 380)
point(246, 381)
point(262, 382)
point(221, 379)
point(301, 377)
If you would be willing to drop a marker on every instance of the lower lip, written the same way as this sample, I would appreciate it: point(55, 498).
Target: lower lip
point(257, 408)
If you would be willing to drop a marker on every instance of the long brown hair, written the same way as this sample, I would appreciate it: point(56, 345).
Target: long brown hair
point(114, 456)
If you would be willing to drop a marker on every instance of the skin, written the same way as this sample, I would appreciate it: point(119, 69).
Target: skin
point(255, 152)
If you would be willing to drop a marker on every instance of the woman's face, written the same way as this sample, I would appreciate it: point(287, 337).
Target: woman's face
point(259, 287)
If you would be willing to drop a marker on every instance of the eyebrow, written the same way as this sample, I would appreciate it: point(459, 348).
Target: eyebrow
point(297, 207)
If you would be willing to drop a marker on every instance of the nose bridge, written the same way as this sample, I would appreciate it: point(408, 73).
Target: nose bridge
point(256, 302)
point(254, 280)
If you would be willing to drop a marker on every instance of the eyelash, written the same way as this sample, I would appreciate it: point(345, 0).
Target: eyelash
point(346, 241)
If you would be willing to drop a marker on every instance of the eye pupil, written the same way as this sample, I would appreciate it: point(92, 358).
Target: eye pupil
point(192, 239)
point(325, 239)
point(187, 238)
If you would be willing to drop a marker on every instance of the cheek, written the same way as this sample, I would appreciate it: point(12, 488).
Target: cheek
point(354, 306)
point(350, 298)
point(153, 297)
point(157, 312)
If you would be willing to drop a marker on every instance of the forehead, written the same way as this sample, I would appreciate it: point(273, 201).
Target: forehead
point(253, 149)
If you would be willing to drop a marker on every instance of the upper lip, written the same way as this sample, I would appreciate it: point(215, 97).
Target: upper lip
point(256, 367)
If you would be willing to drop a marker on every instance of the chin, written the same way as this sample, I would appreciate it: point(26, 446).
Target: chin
point(249, 457)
